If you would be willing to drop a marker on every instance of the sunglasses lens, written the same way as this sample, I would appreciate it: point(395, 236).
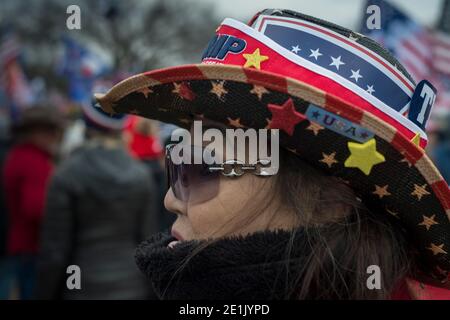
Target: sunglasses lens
point(192, 183)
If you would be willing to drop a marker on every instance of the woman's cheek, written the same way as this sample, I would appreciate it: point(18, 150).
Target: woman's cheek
point(207, 219)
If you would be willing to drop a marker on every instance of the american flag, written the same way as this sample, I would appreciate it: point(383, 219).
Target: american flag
point(9, 48)
point(425, 53)
point(13, 79)
point(81, 65)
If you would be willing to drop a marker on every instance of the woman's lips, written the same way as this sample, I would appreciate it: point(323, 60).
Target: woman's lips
point(172, 244)
point(177, 236)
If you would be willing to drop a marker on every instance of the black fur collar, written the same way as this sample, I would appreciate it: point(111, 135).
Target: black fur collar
point(251, 267)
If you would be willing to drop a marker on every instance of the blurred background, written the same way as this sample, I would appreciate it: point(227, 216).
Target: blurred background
point(81, 187)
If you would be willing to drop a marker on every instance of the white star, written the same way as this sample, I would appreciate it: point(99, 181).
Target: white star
point(370, 89)
point(336, 62)
point(315, 53)
point(296, 49)
point(355, 75)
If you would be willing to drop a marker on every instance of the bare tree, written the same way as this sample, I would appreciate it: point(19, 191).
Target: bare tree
point(137, 34)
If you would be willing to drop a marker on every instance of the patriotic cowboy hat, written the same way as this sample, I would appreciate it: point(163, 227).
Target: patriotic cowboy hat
point(341, 102)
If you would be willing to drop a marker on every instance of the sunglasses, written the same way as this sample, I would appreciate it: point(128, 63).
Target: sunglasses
point(198, 181)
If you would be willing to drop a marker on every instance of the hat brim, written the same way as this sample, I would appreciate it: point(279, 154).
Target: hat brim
point(405, 185)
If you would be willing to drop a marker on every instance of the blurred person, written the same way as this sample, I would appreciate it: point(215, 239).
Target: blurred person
point(5, 265)
point(100, 205)
point(143, 141)
point(441, 148)
point(26, 173)
point(354, 192)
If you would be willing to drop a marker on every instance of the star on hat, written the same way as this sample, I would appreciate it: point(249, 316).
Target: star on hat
point(363, 156)
point(436, 249)
point(416, 140)
point(218, 89)
point(235, 123)
point(329, 159)
point(428, 221)
point(254, 59)
point(406, 161)
point(259, 91)
point(145, 91)
point(285, 117)
point(381, 191)
point(182, 89)
point(420, 191)
point(314, 127)
point(393, 213)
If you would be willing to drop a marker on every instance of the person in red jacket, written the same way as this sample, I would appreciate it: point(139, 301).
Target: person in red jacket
point(26, 172)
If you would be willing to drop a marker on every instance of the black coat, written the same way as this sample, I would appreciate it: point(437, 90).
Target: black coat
point(100, 206)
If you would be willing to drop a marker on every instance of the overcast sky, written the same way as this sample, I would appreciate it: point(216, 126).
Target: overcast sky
point(344, 12)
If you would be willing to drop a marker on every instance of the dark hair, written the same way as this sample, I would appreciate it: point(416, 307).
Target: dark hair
point(344, 236)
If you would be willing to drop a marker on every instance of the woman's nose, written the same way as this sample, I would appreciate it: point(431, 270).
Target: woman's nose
point(173, 204)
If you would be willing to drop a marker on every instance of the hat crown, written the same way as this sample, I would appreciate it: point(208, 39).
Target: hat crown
point(367, 42)
point(328, 57)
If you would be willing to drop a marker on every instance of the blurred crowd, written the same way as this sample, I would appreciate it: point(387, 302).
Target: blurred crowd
point(80, 192)
point(80, 187)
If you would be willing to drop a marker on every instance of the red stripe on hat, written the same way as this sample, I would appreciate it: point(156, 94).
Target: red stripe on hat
point(412, 153)
point(265, 79)
point(340, 107)
point(442, 190)
point(283, 66)
point(175, 74)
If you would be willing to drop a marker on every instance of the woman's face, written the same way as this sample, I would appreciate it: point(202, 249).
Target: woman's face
point(231, 211)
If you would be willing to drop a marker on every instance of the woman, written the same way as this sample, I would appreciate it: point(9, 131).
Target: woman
point(354, 191)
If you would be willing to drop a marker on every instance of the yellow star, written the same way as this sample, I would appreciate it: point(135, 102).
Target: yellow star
point(416, 140)
point(315, 127)
point(428, 221)
point(437, 249)
point(363, 156)
point(254, 59)
point(218, 89)
point(329, 159)
point(235, 123)
point(145, 91)
point(419, 191)
point(259, 91)
point(381, 191)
